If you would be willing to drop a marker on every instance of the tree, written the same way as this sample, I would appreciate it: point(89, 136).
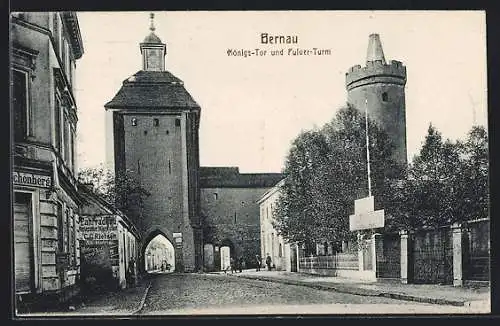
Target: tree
point(326, 172)
point(122, 191)
point(448, 181)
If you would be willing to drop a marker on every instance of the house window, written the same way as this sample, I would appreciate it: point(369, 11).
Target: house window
point(177, 122)
point(57, 124)
point(20, 104)
point(156, 122)
point(216, 195)
point(66, 140)
point(134, 121)
point(385, 97)
point(60, 227)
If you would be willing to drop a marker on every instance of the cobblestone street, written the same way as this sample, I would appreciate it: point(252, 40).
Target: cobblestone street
point(224, 294)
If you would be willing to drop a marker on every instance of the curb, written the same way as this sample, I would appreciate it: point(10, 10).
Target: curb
point(363, 292)
point(143, 300)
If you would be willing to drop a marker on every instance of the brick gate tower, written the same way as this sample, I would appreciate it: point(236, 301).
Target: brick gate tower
point(155, 124)
point(381, 86)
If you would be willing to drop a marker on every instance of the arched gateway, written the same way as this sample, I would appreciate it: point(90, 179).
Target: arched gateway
point(155, 124)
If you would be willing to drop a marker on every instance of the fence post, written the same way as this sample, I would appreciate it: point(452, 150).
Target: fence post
point(456, 229)
point(404, 256)
point(360, 252)
point(377, 247)
point(298, 256)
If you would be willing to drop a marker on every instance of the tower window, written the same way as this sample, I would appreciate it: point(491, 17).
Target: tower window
point(167, 132)
point(134, 121)
point(177, 122)
point(156, 122)
point(216, 195)
point(169, 168)
point(145, 132)
point(384, 97)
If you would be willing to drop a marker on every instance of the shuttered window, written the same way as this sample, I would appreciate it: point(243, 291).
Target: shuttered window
point(23, 245)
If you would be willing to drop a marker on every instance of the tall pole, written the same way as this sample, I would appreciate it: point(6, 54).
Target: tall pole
point(368, 150)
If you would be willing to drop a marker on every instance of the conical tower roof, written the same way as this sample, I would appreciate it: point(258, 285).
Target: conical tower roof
point(375, 52)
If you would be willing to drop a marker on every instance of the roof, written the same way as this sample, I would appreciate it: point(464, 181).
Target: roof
point(152, 38)
point(375, 52)
point(229, 177)
point(152, 89)
point(271, 191)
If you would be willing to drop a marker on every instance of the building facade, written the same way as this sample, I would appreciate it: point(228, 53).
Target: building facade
point(230, 210)
point(155, 124)
point(44, 50)
point(272, 243)
point(379, 87)
point(108, 244)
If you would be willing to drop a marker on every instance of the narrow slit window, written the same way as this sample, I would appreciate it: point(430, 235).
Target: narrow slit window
point(234, 217)
point(134, 121)
point(385, 97)
point(156, 122)
point(169, 168)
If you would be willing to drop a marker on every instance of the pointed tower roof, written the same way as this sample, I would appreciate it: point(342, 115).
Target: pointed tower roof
point(152, 38)
point(153, 87)
point(375, 52)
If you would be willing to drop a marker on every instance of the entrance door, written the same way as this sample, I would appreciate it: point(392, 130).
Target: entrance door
point(23, 253)
point(225, 254)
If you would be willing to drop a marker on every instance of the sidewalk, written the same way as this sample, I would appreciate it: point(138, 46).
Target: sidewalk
point(427, 293)
point(124, 302)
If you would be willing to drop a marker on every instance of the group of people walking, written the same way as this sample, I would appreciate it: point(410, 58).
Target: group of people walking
point(269, 261)
point(237, 265)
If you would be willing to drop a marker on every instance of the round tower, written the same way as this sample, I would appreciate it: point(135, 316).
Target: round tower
point(381, 87)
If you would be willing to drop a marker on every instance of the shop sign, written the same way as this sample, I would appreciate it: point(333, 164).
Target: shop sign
point(31, 179)
point(98, 228)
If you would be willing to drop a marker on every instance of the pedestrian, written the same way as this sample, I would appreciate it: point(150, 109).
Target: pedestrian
point(240, 264)
point(268, 262)
point(131, 271)
point(259, 262)
point(233, 265)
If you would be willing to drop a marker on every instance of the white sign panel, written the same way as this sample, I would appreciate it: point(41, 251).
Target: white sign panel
point(364, 205)
point(31, 179)
point(366, 220)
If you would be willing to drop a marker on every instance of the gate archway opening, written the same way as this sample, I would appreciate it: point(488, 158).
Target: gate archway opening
point(159, 255)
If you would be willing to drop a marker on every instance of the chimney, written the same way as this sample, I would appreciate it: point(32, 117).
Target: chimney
point(375, 52)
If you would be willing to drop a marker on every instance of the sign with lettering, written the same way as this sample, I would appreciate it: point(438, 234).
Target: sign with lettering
point(98, 228)
point(365, 216)
point(31, 179)
point(366, 220)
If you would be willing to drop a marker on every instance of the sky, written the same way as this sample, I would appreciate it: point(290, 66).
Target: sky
point(252, 108)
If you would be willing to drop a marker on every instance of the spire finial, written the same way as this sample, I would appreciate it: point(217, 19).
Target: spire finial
point(152, 17)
